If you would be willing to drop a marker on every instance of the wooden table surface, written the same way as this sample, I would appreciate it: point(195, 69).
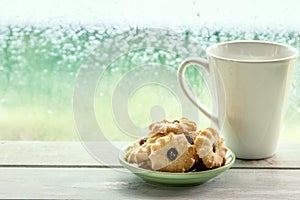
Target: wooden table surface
point(64, 170)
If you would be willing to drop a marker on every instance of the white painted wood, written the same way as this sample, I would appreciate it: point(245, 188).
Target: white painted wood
point(73, 154)
point(56, 170)
point(91, 183)
point(57, 153)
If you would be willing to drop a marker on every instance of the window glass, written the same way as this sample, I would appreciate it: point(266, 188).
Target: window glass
point(51, 51)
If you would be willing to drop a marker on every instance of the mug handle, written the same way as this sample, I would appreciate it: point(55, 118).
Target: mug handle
point(218, 118)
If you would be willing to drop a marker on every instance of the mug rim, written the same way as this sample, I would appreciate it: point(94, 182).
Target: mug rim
point(294, 51)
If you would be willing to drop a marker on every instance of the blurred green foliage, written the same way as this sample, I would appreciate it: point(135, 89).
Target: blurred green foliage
point(39, 64)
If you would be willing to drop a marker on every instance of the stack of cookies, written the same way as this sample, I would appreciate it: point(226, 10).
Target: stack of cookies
point(178, 146)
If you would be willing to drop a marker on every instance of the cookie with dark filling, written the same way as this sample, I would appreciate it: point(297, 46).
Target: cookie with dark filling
point(172, 153)
point(178, 126)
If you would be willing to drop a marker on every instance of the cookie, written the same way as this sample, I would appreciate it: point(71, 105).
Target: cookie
point(179, 126)
point(137, 153)
point(210, 148)
point(172, 153)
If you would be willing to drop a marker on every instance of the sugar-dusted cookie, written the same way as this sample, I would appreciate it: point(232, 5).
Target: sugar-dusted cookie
point(172, 153)
point(179, 126)
point(137, 152)
point(210, 148)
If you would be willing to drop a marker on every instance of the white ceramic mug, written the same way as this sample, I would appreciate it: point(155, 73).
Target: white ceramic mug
point(257, 76)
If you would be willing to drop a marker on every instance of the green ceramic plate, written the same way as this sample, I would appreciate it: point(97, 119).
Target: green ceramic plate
point(176, 179)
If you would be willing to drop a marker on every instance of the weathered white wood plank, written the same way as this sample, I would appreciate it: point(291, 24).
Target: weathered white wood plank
point(22, 152)
point(87, 183)
point(74, 154)
point(57, 153)
point(287, 156)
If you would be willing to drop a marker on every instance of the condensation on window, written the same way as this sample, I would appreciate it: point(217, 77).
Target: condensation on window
point(41, 56)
